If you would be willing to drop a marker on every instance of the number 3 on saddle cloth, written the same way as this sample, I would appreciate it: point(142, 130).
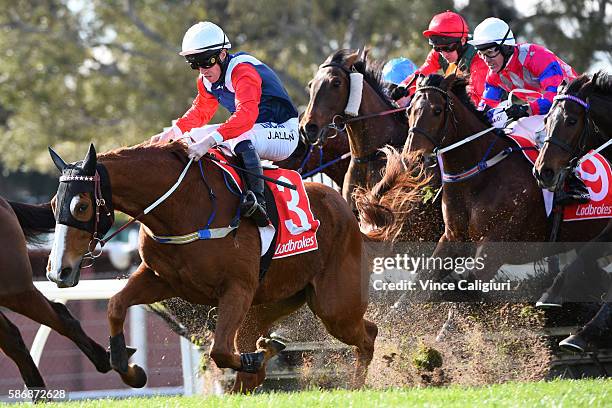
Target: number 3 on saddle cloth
point(295, 228)
point(596, 174)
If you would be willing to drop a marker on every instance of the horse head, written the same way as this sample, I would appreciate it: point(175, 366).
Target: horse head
point(570, 131)
point(430, 114)
point(83, 213)
point(329, 94)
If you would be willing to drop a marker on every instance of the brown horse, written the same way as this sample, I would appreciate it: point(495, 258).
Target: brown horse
point(19, 222)
point(223, 272)
point(578, 121)
point(329, 94)
point(500, 202)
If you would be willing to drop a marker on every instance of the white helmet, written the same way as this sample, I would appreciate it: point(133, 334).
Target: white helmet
point(492, 31)
point(204, 36)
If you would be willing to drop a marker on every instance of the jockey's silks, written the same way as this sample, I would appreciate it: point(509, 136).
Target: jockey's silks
point(530, 67)
point(249, 89)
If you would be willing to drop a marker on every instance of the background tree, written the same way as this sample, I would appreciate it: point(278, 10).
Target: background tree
point(108, 71)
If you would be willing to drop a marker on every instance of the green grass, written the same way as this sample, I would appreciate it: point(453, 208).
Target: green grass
point(558, 393)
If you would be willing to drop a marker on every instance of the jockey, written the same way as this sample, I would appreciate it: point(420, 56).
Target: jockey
point(451, 53)
point(263, 121)
point(522, 66)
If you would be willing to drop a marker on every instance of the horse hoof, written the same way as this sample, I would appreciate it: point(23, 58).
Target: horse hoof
point(273, 345)
point(135, 376)
point(573, 344)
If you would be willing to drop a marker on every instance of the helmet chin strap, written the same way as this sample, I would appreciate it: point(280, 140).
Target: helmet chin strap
point(223, 64)
point(501, 49)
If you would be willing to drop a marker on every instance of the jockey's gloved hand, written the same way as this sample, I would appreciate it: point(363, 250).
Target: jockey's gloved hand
point(399, 92)
point(498, 117)
point(199, 149)
point(168, 135)
point(517, 111)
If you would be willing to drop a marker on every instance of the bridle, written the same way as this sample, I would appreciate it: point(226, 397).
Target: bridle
point(448, 111)
point(339, 122)
point(590, 128)
point(103, 217)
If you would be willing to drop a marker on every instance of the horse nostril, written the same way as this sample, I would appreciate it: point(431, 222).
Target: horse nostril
point(65, 273)
point(547, 174)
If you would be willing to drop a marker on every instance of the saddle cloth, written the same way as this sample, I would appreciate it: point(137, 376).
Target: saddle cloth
point(297, 226)
point(596, 174)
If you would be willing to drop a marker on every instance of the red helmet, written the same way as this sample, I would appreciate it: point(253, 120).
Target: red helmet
point(447, 24)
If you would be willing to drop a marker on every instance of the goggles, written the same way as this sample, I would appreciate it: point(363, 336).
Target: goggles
point(490, 53)
point(446, 47)
point(202, 60)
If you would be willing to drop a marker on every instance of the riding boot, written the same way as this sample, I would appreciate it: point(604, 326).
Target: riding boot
point(597, 332)
point(253, 202)
point(576, 192)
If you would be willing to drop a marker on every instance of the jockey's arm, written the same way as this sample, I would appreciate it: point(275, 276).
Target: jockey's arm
point(430, 66)
point(202, 110)
point(550, 75)
point(491, 97)
point(247, 84)
point(477, 79)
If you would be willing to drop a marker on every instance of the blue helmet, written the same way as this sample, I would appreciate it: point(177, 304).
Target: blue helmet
point(398, 69)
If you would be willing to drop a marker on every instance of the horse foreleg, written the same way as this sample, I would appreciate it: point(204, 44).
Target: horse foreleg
point(256, 325)
point(13, 346)
point(143, 287)
point(35, 306)
point(233, 307)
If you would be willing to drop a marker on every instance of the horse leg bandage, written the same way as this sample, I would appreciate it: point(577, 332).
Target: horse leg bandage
point(251, 362)
point(118, 353)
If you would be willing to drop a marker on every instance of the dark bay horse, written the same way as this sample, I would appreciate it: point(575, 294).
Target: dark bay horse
point(578, 122)
point(19, 222)
point(500, 203)
point(222, 272)
point(329, 95)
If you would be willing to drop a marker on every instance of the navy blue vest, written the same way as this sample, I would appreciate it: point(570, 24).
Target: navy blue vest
point(275, 104)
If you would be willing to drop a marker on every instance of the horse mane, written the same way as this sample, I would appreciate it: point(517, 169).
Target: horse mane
point(576, 85)
point(372, 73)
point(603, 83)
point(160, 154)
point(458, 86)
point(34, 219)
point(398, 194)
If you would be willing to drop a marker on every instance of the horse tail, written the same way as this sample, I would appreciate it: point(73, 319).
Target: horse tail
point(35, 219)
point(384, 208)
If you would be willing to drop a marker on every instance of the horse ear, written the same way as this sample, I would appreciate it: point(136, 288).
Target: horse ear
point(363, 53)
point(57, 160)
point(352, 59)
point(89, 162)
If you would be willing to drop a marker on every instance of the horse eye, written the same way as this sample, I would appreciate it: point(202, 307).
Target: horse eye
point(336, 83)
point(437, 111)
point(81, 208)
point(571, 121)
